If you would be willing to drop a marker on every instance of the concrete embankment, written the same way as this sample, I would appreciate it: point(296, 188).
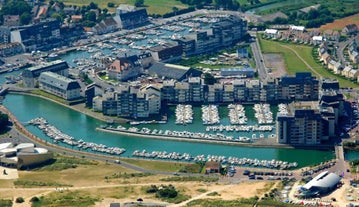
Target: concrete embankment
point(185, 139)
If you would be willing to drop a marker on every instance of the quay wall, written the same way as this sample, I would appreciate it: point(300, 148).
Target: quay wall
point(199, 140)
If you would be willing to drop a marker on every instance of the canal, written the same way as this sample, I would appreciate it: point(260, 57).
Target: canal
point(81, 126)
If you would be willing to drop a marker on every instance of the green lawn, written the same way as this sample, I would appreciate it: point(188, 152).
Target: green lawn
point(162, 165)
point(294, 64)
point(152, 6)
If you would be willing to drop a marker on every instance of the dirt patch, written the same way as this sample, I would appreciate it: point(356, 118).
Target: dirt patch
point(275, 64)
point(9, 174)
point(340, 23)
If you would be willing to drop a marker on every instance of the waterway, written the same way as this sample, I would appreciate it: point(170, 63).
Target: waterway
point(83, 127)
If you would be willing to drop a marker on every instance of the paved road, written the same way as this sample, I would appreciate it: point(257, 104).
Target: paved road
point(258, 57)
point(20, 134)
point(341, 47)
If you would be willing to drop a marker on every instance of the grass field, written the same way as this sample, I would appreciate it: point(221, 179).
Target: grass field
point(164, 166)
point(295, 64)
point(152, 6)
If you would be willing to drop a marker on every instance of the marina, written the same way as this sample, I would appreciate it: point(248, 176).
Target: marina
point(65, 119)
point(184, 114)
point(263, 113)
point(210, 115)
point(235, 161)
point(237, 114)
point(58, 136)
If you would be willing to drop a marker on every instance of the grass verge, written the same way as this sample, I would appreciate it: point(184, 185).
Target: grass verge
point(294, 64)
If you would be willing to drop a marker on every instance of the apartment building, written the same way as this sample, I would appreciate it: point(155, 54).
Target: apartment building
point(59, 85)
point(31, 75)
point(304, 123)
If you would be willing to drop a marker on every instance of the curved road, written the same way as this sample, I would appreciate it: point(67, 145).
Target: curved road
point(20, 132)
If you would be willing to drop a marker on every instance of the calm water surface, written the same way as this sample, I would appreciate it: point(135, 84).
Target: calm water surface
point(83, 127)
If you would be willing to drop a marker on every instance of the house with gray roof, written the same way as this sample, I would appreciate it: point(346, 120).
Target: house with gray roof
point(59, 85)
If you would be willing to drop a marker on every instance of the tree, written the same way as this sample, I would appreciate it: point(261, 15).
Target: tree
point(4, 121)
point(25, 18)
point(175, 10)
point(209, 79)
point(110, 4)
point(90, 16)
point(16, 8)
point(139, 3)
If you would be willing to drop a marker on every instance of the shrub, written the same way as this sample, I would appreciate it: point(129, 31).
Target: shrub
point(34, 199)
point(19, 200)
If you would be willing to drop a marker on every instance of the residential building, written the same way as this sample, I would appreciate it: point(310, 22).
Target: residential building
point(242, 52)
point(221, 34)
point(166, 52)
point(214, 93)
point(105, 26)
point(44, 35)
point(30, 75)
point(182, 94)
point(239, 90)
point(300, 124)
point(59, 85)
point(195, 90)
point(5, 34)
point(271, 33)
point(92, 91)
point(153, 97)
point(188, 44)
point(168, 91)
point(350, 29)
point(328, 84)
point(129, 17)
point(303, 86)
point(125, 68)
point(10, 49)
point(109, 104)
point(335, 66)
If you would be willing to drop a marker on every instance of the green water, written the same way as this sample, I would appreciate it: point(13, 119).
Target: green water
point(83, 127)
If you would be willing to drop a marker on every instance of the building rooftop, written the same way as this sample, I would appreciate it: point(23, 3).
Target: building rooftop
point(59, 81)
point(323, 180)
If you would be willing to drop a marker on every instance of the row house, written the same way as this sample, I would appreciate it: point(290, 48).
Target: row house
point(349, 72)
point(353, 52)
point(271, 33)
point(303, 38)
point(316, 40)
point(350, 29)
point(335, 66)
point(331, 35)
